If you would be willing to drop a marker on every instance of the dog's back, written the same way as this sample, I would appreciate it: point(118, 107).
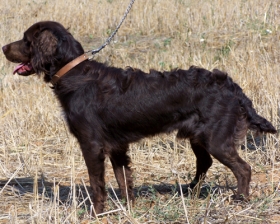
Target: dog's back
point(133, 104)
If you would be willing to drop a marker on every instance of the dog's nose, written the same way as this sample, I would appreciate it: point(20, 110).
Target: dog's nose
point(5, 48)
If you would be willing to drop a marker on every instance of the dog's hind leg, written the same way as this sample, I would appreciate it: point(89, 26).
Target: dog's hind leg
point(120, 162)
point(203, 162)
point(227, 154)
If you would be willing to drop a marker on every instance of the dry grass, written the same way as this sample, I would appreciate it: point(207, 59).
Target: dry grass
point(43, 177)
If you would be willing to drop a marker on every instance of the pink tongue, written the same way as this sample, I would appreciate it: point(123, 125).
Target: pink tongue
point(18, 67)
point(22, 67)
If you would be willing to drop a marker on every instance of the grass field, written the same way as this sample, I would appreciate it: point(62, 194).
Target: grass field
point(43, 178)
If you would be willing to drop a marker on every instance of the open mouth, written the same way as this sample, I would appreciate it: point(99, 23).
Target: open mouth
point(24, 69)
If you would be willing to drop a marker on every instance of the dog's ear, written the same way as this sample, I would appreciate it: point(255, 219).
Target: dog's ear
point(46, 42)
point(44, 47)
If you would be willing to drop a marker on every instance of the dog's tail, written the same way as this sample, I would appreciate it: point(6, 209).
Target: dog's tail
point(255, 121)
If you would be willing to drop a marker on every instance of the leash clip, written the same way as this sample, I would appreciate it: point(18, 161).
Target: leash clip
point(89, 55)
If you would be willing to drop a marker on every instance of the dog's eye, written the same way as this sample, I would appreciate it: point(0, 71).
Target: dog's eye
point(27, 43)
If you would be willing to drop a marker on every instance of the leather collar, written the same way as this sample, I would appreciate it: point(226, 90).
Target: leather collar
point(68, 67)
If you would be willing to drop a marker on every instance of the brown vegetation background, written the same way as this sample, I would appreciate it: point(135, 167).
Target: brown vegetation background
point(43, 177)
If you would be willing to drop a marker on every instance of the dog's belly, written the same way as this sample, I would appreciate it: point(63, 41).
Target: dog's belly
point(132, 129)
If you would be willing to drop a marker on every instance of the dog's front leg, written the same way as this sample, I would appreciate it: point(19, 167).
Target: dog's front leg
point(93, 153)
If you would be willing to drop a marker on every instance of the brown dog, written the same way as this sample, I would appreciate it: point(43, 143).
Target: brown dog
point(107, 108)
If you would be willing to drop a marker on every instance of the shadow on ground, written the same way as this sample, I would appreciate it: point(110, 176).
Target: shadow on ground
point(22, 186)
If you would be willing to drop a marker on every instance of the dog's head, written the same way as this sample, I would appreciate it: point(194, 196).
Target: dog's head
point(45, 48)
